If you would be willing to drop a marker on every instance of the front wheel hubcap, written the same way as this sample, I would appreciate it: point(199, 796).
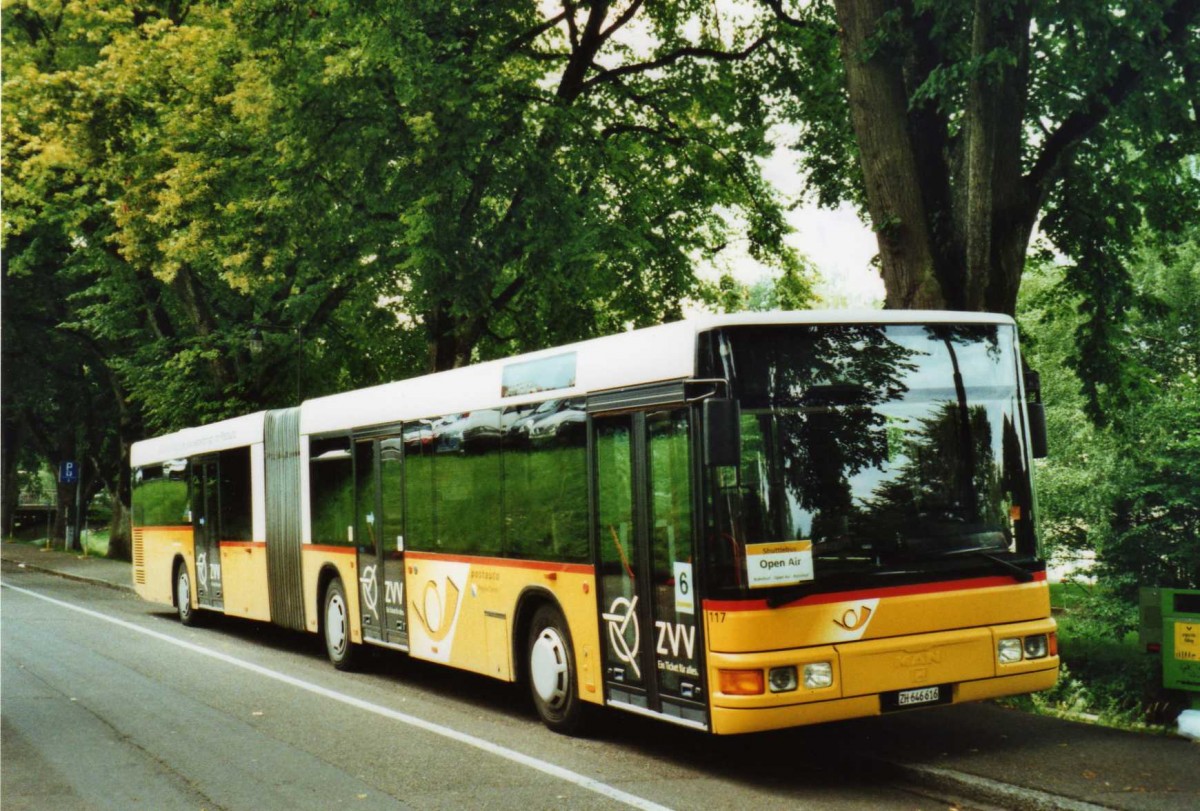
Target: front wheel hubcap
point(548, 668)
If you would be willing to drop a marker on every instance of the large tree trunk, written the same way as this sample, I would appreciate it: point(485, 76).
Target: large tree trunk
point(119, 542)
point(950, 207)
point(879, 113)
point(11, 492)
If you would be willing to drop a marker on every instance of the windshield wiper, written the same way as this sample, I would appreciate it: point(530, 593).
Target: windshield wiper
point(1022, 574)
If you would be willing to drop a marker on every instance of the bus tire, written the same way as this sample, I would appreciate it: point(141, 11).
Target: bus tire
point(335, 627)
point(183, 595)
point(552, 674)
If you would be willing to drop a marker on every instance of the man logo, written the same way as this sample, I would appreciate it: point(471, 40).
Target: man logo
point(438, 614)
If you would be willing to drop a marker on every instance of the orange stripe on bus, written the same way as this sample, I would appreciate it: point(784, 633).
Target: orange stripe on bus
point(537, 565)
point(245, 544)
point(866, 594)
point(316, 547)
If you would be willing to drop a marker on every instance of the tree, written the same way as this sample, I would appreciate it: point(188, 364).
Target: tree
point(243, 204)
point(963, 123)
point(1126, 488)
point(522, 175)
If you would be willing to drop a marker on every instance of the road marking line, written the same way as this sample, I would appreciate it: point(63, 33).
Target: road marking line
point(543, 766)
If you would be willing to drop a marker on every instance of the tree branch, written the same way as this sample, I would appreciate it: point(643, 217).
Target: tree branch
point(776, 7)
point(625, 129)
point(572, 28)
point(1081, 123)
point(620, 22)
point(519, 42)
point(672, 58)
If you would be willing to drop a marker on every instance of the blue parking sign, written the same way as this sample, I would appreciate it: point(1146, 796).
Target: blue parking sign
point(68, 472)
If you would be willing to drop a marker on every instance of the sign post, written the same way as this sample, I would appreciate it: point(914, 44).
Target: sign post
point(68, 473)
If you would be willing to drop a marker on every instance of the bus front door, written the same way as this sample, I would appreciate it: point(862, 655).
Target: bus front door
point(206, 533)
point(653, 660)
point(379, 534)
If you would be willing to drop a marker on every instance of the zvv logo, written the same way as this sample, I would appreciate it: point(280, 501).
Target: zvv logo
point(676, 636)
point(370, 588)
point(623, 632)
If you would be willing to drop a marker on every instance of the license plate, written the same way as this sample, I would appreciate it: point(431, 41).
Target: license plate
point(923, 695)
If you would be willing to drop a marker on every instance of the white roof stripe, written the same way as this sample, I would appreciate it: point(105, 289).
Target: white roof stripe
point(218, 436)
point(664, 352)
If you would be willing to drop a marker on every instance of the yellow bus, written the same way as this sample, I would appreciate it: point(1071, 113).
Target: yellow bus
point(732, 523)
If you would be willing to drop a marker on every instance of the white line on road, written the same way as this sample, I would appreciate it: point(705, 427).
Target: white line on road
point(437, 729)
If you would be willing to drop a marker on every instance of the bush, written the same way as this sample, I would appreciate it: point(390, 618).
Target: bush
point(1105, 672)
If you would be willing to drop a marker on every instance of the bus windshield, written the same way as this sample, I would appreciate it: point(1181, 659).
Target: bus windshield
point(868, 451)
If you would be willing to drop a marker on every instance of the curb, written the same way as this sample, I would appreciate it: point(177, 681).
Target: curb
point(986, 790)
point(94, 581)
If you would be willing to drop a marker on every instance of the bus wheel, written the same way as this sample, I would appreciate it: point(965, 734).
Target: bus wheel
point(552, 681)
point(183, 595)
point(336, 626)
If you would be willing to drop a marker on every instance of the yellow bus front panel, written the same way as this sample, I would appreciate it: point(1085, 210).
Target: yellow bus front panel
point(871, 651)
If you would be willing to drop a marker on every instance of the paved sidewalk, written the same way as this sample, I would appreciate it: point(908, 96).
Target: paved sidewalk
point(993, 755)
point(90, 569)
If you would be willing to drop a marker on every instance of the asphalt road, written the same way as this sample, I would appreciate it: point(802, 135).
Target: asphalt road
point(109, 703)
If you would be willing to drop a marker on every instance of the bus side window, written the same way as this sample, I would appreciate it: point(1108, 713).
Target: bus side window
point(331, 491)
point(235, 499)
point(418, 485)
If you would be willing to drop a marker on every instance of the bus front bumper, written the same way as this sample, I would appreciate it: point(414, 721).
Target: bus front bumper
point(872, 677)
point(729, 721)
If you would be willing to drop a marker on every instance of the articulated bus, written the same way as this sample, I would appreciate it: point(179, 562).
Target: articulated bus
point(732, 523)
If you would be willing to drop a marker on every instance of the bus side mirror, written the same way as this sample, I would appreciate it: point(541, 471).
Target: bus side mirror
point(1037, 430)
point(1037, 415)
point(722, 432)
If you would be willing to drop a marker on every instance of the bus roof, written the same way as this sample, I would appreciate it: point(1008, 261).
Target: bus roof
point(648, 355)
point(237, 432)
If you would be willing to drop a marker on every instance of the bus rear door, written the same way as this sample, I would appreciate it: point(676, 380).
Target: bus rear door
point(206, 532)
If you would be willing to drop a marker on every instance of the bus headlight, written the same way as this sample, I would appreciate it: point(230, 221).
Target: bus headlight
point(818, 675)
point(782, 679)
point(1036, 646)
point(1009, 650)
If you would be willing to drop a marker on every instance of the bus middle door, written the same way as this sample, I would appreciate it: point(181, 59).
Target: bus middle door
point(653, 659)
point(379, 537)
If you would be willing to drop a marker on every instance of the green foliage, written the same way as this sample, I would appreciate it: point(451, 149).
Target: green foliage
point(984, 120)
point(1126, 486)
point(1110, 677)
point(222, 207)
point(790, 290)
point(206, 176)
point(1122, 484)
